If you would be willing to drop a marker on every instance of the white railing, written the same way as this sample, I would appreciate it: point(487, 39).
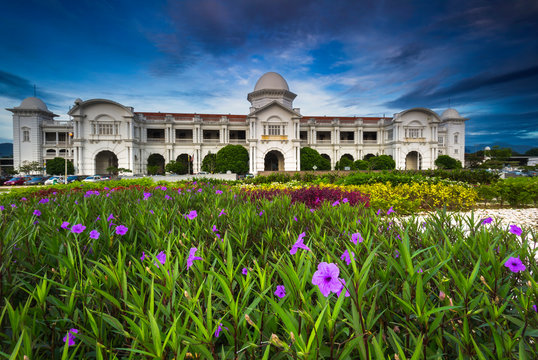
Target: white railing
point(369, 141)
point(323, 141)
point(347, 141)
point(210, 140)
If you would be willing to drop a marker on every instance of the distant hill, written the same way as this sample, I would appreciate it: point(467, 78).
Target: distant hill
point(6, 150)
point(515, 147)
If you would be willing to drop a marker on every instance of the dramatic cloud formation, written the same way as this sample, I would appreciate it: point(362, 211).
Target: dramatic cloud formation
point(341, 57)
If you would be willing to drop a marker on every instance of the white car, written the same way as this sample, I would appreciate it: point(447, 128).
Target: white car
point(55, 180)
point(94, 178)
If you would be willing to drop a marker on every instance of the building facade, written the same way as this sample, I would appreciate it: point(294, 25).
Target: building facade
point(104, 134)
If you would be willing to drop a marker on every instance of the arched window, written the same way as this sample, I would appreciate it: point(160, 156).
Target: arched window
point(26, 135)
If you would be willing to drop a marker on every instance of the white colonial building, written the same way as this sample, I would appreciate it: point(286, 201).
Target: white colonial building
point(104, 133)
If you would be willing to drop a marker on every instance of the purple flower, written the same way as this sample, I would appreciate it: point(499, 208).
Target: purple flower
point(78, 228)
point(147, 195)
point(214, 228)
point(299, 244)
point(218, 192)
point(326, 278)
point(161, 257)
point(347, 258)
point(192, 215)
point(163, 188)
point(191, 258)
point(70, 337)
point(378, 212)
point(516, 230)
point(37, 212)
point(151, 212)
point(143, 256)
point(295, 218)
point(487, 220)
point(396, 254)
point(94, 234)
point(535, 308)
point(261, 213)
point(312, 210)
point(280, 291)
point(420, 271)
point(515, 264)
point(347, 294)
point(244, 271)
point(345, 200)
point(219, 329)
point(121, 230)
point(64, 225)
point(110, 217)
point(13, 206)
point(24, 199)
point(222, 213)
point(2, 208)
point(356, 237)
point(336, 203)
point(390, 211)
point(167, 197)
point(43, 201)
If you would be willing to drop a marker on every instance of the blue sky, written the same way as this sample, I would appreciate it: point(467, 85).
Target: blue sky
point(342, 58)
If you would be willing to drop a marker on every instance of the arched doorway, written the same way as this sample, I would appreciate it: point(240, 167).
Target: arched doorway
point(348, 156)
point(413, 161)
point(368, 156)
point(105, 160)
point(155, 164)
point(274, 161)
point(186, 160)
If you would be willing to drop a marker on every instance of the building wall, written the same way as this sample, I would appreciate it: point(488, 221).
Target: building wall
point(130, 143)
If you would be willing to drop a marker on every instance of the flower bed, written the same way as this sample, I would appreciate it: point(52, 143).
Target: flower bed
point(197, 271)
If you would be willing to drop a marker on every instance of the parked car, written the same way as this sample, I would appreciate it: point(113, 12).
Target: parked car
point(3, 179)
point(73, 178)
point(19, 180)
point(38, 180)
point(54, 180)
point(93, 178)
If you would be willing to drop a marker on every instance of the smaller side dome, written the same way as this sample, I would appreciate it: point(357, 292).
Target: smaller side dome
point(33, 103)
point(451, 114)
point(271, 80)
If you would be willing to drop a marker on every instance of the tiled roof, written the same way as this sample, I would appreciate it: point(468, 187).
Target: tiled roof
point(242, 118)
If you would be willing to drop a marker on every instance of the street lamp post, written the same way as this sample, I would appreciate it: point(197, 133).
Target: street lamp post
point(65, 154)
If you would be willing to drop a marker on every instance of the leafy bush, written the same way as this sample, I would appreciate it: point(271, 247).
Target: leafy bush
point(232, 158)
point(382, 162)
point(176, 167)
point(236, 280)
point(361, 165)
point(56, 166)
point(311, 157)
point(209, 163)
point(343, 163)
point(514, 191)
point(447, 162)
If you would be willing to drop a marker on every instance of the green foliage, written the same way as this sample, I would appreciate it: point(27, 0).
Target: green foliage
point(154, 170)
point(361, 165)
point(447, 162)
point(532, 152)
point(233, 158)
point(418, 289)
point(155, 164)
point(176, 167)
point(209, 163)
point(382, 162)
point(311, 157)
point(343, 163)
point(31, 167)
point(56, 166)
point(517, 192)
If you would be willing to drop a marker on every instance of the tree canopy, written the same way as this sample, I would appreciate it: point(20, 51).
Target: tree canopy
point(56, 166)
point(233, 158)
point(209, 163)
point(311, 157)
point(382, 162)
point(447, 162)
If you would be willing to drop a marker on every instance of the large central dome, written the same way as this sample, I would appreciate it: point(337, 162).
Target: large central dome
point(273, 81)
